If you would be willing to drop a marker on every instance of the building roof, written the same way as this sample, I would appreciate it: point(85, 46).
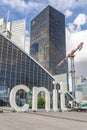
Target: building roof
point(27, 55)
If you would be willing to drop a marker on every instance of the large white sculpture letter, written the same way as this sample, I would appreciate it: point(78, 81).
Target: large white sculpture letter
point(13, 97)
point(55, 97)
point(36, 91)
point(62, 96)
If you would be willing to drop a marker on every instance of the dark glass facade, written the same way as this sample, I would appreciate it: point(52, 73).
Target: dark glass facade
point(48, 33)
point(16, 67)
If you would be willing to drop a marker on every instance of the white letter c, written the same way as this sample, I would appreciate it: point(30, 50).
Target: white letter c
point(13, 97)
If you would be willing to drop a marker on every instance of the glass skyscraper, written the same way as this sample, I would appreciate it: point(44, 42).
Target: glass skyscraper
point(47, 40)
point(16, 67)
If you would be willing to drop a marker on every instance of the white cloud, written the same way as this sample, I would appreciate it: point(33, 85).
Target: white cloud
point(75, 26)
point(81, 19)
point(67, 4)
point(15, 4)
point(22, 6)
point(61, 4)
point(71, 27)
point(72, 41)
point(68, 13)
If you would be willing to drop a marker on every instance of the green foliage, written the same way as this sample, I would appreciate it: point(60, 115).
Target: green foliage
point(30, 92)
point(41, 102)
point(83, 104)
point(30, 103)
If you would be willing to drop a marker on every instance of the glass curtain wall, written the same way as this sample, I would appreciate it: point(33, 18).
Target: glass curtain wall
point(16, 67)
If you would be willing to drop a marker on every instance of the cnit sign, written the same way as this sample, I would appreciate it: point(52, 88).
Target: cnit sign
point(35, 92)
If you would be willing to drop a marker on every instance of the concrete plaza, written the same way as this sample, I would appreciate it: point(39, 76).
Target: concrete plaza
point(43, 120)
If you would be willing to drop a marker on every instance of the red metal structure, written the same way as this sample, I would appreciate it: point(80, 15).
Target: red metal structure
point(71, 55)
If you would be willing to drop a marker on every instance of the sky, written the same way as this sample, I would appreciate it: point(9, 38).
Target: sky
point(75, 22)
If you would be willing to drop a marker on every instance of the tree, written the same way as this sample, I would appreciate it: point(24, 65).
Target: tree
point(41, 102)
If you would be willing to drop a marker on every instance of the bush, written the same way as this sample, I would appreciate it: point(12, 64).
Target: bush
point(41, 102)
point(30, 103)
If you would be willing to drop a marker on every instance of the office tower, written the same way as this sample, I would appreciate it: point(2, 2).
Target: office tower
point(2, 25)
point(3, 28)
point(47, 40)
point(18, 32)
point(16, 67)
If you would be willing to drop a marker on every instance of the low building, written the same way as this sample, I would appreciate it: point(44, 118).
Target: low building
point(81, 86)
point(16, 67)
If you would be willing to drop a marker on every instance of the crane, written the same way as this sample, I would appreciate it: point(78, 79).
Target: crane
point(71, 55)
